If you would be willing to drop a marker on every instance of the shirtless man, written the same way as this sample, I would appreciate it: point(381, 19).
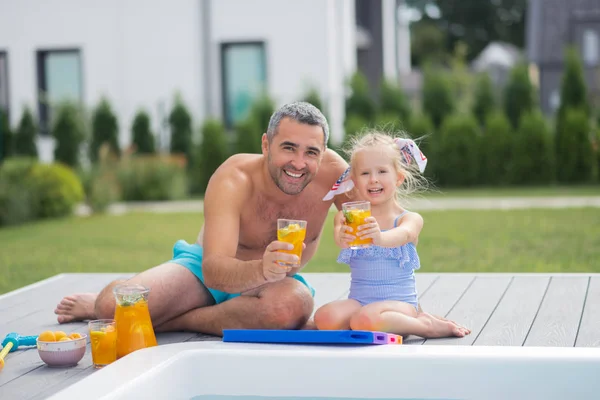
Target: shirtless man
point(237, 249)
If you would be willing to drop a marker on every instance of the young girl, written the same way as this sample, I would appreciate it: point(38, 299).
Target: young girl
point(383, 296)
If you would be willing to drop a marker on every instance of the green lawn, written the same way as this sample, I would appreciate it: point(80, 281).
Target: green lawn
point(566, 240)
point(516, 191)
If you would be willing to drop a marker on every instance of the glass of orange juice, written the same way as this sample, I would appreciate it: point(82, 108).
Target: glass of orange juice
point(133, 319)
point(103, 341)
point(294, 232)
point(355, 213)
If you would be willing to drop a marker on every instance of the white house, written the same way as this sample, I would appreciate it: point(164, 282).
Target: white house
point(217, 54)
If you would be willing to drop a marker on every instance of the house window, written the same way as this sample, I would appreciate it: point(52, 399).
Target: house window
point(244, 75)
point(4, 83)
point(59, 79)
point(591, 47)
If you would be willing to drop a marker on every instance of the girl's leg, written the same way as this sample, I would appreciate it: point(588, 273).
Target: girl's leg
point(402, 319)
point(336, 315)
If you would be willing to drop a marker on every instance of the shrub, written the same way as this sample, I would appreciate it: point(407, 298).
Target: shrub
point(180, 123)
point(519, 95)
point(15, 193)
point(393, 101)
point(533, 156)
point(69, 131)
point(248, 136)
point(57, 190)
point(105, 129)
point(438, 101)
point(354, 125)
point(211, 153)
point(459, 149)
point(360, 103)
point(143, 138)
point(421, 128)
point(484, 101)
point(152, 178)
point(313, 97)
point(6, 137)
point(575, 153)
point(25, 136)
point(497, 146)
point(30, 190)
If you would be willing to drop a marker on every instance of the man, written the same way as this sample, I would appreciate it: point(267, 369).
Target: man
point(237, 249)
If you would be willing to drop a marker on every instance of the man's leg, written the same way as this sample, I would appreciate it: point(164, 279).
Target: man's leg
point(286, 304)
point(174, 289)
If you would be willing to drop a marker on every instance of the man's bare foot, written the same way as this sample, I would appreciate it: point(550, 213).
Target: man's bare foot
point(76, 307)
point(442, 327)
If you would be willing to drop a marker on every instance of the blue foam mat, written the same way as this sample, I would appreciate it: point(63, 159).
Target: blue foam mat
point(294, 336)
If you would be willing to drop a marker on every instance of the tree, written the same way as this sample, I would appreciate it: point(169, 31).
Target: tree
point(428, 44)
point(25, 135)
point(497, 148)
point(105, 129)
point(212, 151)
point(459, 147)
point(313, 97)
point(575, 154)
point(519, 95)
point(484, 101)
point(359, 103)
point(143, 138)
point(437, 96)
point(393, 101)
point(69, 132)
point(180, 122)
point(6, 137)
point(533, 158)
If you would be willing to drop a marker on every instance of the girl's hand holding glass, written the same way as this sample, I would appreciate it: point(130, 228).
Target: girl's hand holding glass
point(370, 229)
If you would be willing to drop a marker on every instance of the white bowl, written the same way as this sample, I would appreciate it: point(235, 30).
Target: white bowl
point(62, 354)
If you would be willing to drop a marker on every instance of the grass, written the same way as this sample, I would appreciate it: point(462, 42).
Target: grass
point(516, 191)
point(565, 240)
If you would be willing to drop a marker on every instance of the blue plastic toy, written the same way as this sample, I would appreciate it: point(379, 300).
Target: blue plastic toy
point(292, 336)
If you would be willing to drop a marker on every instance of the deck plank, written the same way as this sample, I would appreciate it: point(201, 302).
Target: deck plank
point(512, 319)
point(589, 329)
point(441, 297)
point(474, 308)
point(558, 318)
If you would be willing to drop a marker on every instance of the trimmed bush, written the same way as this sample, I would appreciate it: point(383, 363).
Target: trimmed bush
point(533, 156)
point(393, 101)
point(6, 137)
point(248, 136)
point(497, 147)
point(24, 145)
point(57, 190)
point(484, 101)
point(438, 101)
point(360, 103)
point(152, 178)
point(69, 132)
point(458, 148)
point(313, 97)
point(211, 153)
point(105, 129)
point(15, 193)
point(180, 122)
point(421, 128)
point(143, 138)
point(575, 155)
point(354, 125)
point(519, 95)
point(29, 190)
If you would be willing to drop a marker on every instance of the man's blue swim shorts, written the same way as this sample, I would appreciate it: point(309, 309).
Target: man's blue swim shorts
point(190, 256)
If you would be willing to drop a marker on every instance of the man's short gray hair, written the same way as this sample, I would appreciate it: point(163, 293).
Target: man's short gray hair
point(302, 112)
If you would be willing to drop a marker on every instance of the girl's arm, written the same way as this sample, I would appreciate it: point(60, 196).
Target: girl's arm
point(406, 232)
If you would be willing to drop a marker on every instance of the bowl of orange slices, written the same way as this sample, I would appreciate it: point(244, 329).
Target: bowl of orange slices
point(59, 349)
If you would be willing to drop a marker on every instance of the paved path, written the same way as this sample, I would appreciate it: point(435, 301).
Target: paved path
point(445, 203)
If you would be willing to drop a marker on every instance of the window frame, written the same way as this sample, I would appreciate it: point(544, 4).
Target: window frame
point(42, 86)
point(224, 46)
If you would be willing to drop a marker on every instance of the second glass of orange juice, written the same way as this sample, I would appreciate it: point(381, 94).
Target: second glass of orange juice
point(294, 232)
point(355, 213)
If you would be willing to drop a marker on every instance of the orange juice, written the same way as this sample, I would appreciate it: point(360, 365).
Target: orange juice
point(293, 232)
point(134, 327)
point(355, 214)
point(103, 342)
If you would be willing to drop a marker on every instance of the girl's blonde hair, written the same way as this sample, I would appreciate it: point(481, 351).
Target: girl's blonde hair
point(414, 181)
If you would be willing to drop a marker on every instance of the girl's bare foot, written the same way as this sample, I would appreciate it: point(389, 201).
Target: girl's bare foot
point(76, 307)
point(442, 327)
point(457, 324)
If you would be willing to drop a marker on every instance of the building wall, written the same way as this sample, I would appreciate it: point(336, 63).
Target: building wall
point(137, 53)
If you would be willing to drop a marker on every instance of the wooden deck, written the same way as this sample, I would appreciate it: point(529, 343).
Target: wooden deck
point(501, 309)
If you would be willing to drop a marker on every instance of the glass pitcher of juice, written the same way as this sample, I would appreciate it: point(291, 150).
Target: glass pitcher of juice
point(134, 327)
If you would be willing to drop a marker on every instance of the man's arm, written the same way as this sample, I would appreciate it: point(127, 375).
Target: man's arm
point(223, 203)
